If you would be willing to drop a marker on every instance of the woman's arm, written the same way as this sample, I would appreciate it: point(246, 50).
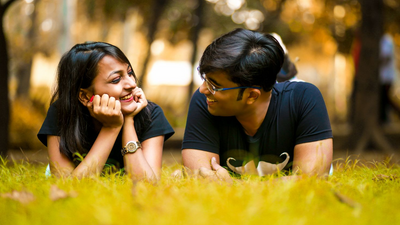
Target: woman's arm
point(107, 111)
point(145, 163)
point(92, 164)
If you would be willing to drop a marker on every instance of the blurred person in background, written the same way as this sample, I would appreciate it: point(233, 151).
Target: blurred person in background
point(387, 74)
point(288, 71)
point(241, 118)
point(99, 116)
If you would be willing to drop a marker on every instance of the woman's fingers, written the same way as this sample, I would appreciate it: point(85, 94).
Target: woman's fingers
point(104, 101)
point(106, 110)
point(139, 99)
point(139, 95)
point(117, 106)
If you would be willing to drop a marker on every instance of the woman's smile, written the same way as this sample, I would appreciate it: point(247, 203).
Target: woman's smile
point(127, 98)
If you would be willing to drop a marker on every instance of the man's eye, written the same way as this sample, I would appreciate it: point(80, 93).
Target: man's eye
point(116, 80)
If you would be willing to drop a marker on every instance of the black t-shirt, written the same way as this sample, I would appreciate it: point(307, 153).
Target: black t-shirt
point(159, 126)
point(296, 114)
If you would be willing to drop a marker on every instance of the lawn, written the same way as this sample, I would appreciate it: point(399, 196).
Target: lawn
point(356, 193)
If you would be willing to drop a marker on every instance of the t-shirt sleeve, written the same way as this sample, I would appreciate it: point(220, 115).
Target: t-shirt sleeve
point(313, 119)
point(201, 128)
point(159, 125)
point(49, 126)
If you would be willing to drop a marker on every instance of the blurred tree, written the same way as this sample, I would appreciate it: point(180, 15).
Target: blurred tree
point(24, 66)
point(108, 11)
point(35, 31)
point(366, 128)
point(4, 72)
point(158, 7)
point(194, 37)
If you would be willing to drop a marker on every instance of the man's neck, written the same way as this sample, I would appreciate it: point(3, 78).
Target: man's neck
point(252, 119)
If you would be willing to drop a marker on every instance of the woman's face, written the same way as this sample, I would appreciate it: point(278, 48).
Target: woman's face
point(116, 79)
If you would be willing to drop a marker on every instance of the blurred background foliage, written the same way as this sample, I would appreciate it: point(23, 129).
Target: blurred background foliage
point(164, 40)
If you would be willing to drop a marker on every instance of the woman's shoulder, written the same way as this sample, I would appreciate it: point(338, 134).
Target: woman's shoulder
point(153, 107)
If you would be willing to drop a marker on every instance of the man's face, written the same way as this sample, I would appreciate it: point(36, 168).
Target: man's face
point(222, 103)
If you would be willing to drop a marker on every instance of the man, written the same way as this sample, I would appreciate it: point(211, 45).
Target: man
point(241, 117)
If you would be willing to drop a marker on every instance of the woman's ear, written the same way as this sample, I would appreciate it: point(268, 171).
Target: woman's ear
point(84, 96)
point(253, 96)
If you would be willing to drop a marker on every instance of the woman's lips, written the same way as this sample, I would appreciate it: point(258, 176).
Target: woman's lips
point(127, 98)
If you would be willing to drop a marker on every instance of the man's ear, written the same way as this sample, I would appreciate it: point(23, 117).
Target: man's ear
point(253, 96)
point(84, 96)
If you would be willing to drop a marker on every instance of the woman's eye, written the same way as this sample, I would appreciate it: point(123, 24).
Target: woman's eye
point(116, 80)
point(130, 72)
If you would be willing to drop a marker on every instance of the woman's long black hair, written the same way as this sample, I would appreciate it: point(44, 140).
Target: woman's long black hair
point(77, 69)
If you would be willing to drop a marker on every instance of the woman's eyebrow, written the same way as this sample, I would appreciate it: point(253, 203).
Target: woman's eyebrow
point(114, 72)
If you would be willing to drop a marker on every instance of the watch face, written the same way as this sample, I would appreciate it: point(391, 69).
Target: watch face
point(131, 146)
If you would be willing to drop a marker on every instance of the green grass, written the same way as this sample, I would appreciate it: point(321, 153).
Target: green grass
point(357, 193)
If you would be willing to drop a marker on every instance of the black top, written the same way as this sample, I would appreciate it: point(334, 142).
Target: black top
point(159, 126)
point(296, 114)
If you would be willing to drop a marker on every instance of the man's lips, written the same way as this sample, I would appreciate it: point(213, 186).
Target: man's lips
point(209, 100)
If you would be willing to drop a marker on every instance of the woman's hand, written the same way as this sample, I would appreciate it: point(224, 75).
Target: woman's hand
point(107, 110)
point(141, 101)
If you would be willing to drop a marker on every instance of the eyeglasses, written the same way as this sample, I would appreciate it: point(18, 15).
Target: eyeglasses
point(213, 89)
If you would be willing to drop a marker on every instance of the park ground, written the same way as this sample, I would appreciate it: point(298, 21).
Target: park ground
point(172, 151)
point(364, 189)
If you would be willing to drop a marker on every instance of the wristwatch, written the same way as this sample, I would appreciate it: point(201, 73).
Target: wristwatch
point(131, 147)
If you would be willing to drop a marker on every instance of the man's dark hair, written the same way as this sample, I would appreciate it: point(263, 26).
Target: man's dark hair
point(248, 57)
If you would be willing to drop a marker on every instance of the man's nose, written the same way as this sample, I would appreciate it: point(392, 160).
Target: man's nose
point(203, 88)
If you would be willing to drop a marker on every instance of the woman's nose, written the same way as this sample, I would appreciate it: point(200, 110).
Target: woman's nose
point(130, 83)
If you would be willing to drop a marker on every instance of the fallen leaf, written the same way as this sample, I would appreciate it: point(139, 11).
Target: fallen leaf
point(56, 193)
point(380, 177)
point(21, 196)
point(178, 174)
point(346, 200)
point(263, 168)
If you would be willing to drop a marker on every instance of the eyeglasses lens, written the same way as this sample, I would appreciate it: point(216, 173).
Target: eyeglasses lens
point(210, 87)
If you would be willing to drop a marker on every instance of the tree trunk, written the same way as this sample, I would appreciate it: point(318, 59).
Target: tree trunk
point(157, 10)
point(24, 79)
point(366, 129)
point(194, 38)
point(24, 70)
point(4, 70)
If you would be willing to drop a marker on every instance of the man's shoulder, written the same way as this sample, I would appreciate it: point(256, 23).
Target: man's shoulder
point(294, 86)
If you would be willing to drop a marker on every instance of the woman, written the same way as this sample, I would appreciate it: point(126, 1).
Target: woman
point(97, 111)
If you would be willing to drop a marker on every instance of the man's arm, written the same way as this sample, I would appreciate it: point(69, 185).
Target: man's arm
point(194, 159)
point(205, 164)
point(313, 158)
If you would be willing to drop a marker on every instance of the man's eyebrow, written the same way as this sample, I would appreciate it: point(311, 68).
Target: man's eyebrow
point(213, 81)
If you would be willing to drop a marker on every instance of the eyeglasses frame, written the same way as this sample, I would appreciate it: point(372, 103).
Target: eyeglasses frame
point(214, 89)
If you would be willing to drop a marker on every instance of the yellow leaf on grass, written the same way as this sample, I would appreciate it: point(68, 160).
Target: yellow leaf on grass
point(21, 196)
